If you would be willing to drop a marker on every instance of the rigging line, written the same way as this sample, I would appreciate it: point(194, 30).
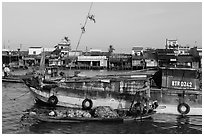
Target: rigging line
point(18, 96)
point(82, 33)
point(17, 89)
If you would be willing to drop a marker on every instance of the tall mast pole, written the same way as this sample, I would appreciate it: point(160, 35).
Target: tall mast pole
point(82, 33)
point(83, 27)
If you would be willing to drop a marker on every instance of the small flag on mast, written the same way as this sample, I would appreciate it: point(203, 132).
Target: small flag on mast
point(83, 29)
point(92, 17)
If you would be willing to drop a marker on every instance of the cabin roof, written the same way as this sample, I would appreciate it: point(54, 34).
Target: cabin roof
point(177, 68)
point(35, 47)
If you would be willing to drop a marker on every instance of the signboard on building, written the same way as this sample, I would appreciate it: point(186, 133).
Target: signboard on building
point(91, 58)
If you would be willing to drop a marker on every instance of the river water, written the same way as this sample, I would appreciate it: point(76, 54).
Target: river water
point(16, 99)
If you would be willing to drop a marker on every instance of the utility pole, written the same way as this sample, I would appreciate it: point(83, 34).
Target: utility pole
point(4, 44)
point(8, 44)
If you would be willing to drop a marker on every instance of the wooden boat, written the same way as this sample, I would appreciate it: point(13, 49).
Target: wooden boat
point(15, 78)
point(82, 119)
point(67, 115)
point(86, 93)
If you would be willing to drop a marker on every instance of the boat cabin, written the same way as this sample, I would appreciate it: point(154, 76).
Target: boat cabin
point(178, 78)
point(51, 72)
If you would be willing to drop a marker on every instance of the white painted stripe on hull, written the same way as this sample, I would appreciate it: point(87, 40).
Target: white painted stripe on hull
point(98, 102)
point(172, 109)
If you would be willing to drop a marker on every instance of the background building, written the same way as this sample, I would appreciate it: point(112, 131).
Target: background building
point(35, 50)
point(172, 44)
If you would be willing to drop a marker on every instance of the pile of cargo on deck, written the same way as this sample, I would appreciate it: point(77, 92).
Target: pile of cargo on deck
point(105, 112)
point(97, 112)
point(70, 113)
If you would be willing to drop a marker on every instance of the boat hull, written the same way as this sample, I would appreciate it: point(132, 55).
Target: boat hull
point(74, 98)
point(82, 119)
point(169, 98)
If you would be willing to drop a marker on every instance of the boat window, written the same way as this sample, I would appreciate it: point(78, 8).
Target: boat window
point(167, 72)
point(180, 73)
point(185, 73)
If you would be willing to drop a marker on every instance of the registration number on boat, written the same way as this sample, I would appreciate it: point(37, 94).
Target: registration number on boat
point(182, 84)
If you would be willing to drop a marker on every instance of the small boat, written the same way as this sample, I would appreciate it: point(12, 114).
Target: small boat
point(15, 78)
point(83, 119)
point(106, 115)
point(12, 80)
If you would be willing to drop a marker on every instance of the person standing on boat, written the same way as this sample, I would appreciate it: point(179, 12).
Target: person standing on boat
point(142, 100)
point(147, 94)
point(36, 80)
point(147, 86)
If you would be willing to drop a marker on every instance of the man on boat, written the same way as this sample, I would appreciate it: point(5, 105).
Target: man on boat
point(36, 80)
point(142, 100)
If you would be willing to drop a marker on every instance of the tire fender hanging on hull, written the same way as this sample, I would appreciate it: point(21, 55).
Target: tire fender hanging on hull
point(186, 108)
point(87, 104)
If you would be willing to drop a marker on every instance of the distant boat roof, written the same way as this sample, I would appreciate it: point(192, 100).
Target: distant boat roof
point(35, 47)
point(95, 50)
point(5, 50)
point(178, 68)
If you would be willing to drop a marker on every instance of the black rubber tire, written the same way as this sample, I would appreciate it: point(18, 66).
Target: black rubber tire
point(179, 108)
point(84, 106)
point(53, 100)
